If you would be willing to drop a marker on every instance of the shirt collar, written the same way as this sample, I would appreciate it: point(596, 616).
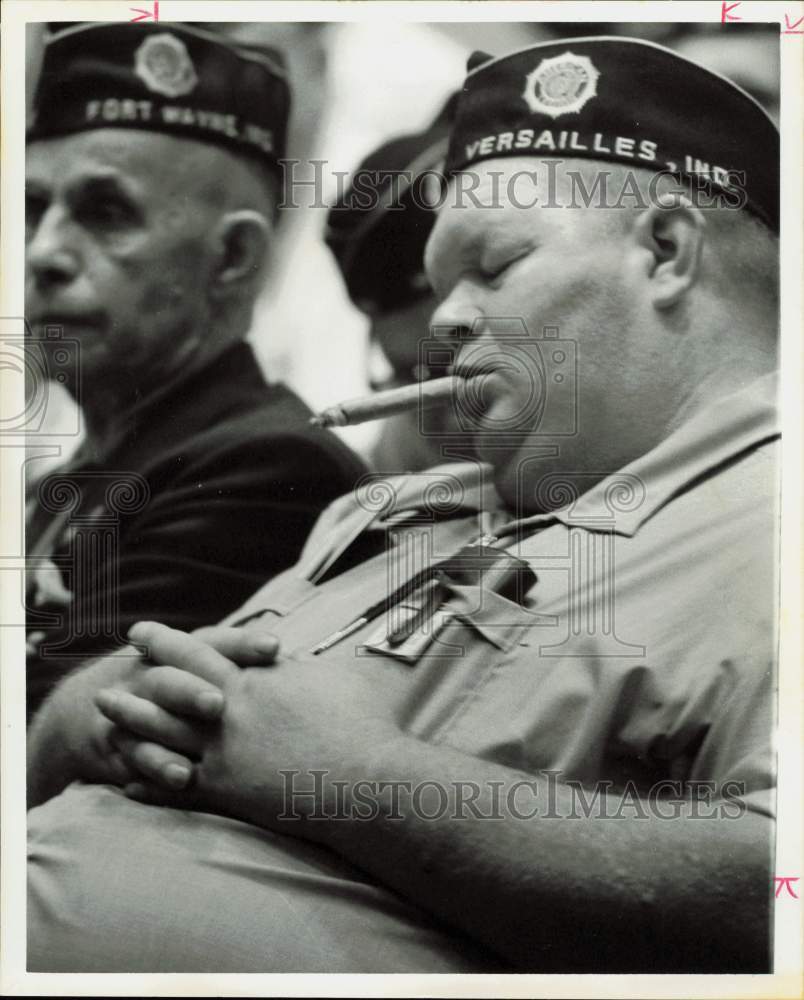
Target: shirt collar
point(193, 399)
point(625, 500)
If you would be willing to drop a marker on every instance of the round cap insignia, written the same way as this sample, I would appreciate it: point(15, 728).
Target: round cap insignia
point(561, 85)
point(163, 64)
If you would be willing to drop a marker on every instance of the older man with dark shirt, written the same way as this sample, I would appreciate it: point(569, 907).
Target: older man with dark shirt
point(151, 195)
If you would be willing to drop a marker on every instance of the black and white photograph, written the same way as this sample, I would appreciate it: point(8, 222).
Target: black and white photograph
point(401, 499)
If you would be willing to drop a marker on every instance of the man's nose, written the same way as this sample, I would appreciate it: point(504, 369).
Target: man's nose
point(455, 322)
point(50, 254)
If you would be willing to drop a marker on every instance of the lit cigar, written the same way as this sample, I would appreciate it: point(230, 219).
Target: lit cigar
point(423, 395)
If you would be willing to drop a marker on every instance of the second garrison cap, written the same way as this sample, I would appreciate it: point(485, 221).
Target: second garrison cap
point(621, 100)
point(167, 78)
point(378, 228)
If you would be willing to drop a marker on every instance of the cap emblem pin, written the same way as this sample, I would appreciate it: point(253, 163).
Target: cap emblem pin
point(163, 64)
point(561, 85)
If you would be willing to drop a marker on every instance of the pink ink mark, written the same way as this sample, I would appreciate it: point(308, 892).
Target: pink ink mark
point(724, 11)
point(145, 14)
point(785, 880)
point(789, 29)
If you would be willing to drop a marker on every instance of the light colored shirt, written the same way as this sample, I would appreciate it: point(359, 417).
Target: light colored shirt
point(645, 649)
point(643, 653)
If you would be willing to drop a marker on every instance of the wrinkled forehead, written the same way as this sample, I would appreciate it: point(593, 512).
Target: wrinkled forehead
point(148, 162)
point(118, 149)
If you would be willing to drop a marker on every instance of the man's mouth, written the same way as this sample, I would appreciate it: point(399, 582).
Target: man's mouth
point(488, 379)
point(501, 395)
point(473, 369)
point(482, 388)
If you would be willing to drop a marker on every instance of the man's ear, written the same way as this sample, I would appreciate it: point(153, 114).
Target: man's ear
point(242, 239)
point(672, 231)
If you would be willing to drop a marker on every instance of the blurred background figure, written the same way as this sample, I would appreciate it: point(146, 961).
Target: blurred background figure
point(370, 82)
point(377, 231)
point(360, 85)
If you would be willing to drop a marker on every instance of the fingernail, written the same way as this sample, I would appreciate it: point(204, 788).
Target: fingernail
point(136, 627)
point(266, 645)
point(210, 703)
point(176, 775)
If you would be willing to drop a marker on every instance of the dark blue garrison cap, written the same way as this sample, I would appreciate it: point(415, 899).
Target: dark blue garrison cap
point(166, 78)
point(378, 229)
point(620, 100)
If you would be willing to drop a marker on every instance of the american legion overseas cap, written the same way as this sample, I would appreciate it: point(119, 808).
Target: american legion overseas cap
point(378, 228)
point(621, 100)
point(166, 78)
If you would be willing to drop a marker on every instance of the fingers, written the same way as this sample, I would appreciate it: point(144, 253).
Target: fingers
point(247, 648)
point(170, 647)
point(156, 763)
point(143, 718)
point(119, 771)
point(180, 692)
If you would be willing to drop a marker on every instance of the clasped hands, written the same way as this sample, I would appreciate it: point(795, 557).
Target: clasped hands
point(196, 727)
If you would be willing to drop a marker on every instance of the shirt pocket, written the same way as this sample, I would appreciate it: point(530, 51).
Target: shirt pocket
point(449, 681)
point(276, 600)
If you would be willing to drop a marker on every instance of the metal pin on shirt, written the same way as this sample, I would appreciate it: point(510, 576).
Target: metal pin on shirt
point(342, 633)
point(381, 607)
point(421, 611)
point(473, 565)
